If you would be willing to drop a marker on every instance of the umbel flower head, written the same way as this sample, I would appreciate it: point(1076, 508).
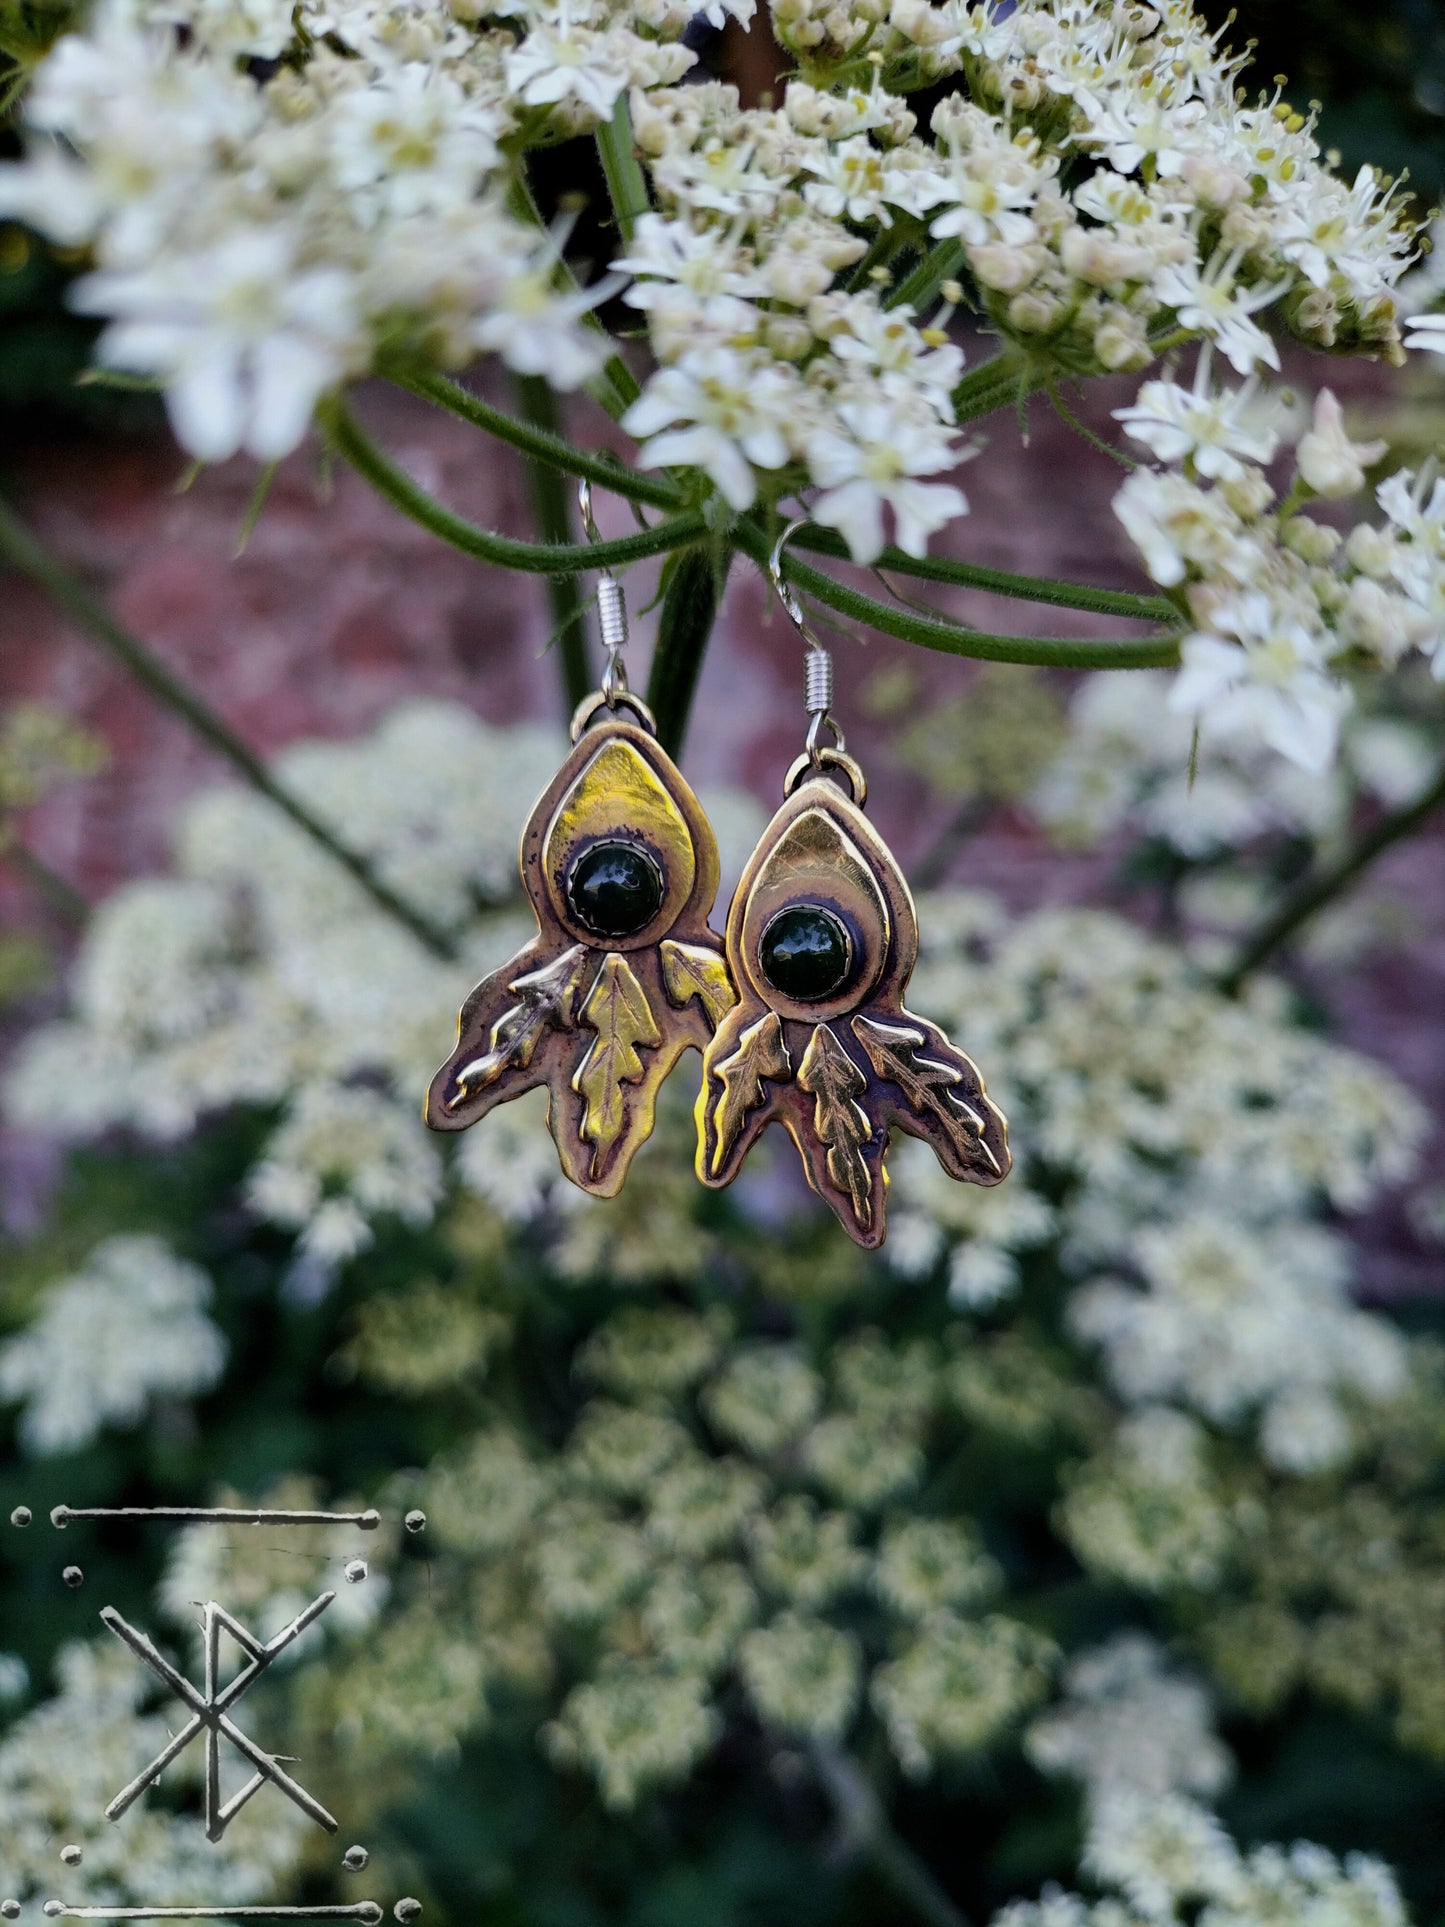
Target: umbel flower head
point(275, 202)
point(275, 196)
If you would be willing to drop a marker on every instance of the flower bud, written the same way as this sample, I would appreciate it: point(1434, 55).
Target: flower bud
point(1327, 459)
point(788, 336)
point(796, 277)
point(1375, 620)
point(1097, 258)
point(1318, 317)
point(1005, 268)
point(1370, 550)
point(1034, 312)
point(1250, 495)
point(1311, 541)
point(1212, 182)
point(1121, 343)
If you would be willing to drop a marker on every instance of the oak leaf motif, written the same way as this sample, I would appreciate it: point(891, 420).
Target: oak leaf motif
point(761, 1053)
point(617, 1009)
point(929, 1084)
point(689, 971)
point(544, 997)
point(834, 1082)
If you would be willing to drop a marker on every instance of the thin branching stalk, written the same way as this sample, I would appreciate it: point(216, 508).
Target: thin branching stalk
point(626, 182)
point(56, 892)
point(1317, 892)
point(534, 558)
point(1050, 652)
point(865, 1832)
point(20, 549)
point(654, 491)
point(996, 383)
point(553, 512)
point(918, 289)
point(971, 575)
point(616, 387)
point(689, 609)
point(658, 492)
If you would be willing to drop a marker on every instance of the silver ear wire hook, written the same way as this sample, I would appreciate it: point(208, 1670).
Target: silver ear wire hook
point(818, 672)
point(611, 608)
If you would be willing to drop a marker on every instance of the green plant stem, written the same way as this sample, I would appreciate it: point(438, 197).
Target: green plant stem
point(917, 289)
point(1083, 431)
point(626, 182)
point(1314, 893)
point(995, 383)
point(884, 244)
point(616, 388)
point(540, 444)
point(865, 1830)
point(54, 890)
point(689, 608)
point(350, 441)
point(554, 524)
point(931, 869)
point(660, 493)
point(20, 549)
point(969, 575)
point(1053, 652)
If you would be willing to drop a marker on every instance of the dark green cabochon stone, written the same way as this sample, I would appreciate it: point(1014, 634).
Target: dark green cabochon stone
point(805, 952)
point(615, 888)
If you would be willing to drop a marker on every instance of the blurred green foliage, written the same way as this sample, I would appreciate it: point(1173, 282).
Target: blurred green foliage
point(488, 1829)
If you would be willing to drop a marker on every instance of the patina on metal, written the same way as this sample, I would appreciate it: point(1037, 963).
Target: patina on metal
point(838, 1070)
point(624, 974)
point(822, 937)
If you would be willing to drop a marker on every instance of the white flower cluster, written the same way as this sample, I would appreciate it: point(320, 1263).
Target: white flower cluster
point(1281, 604)
point(1174, 1144)
point(1126, 765)
point(127, 1329)
point(730, 1512)
point(1232, 1319)
point(341, 1158)
point(275, 194)
point(262, 974)
point(1163, 1859)
point(1148, 1510)
point(1196, 213)
point(343, 179)
point(1130, 1726)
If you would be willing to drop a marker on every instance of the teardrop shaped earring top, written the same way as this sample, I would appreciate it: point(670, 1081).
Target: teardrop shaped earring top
point(822, 937)
point(624, 974)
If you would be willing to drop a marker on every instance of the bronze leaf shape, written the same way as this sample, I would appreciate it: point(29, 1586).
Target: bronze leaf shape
point(624, 973)
point(837, 1060)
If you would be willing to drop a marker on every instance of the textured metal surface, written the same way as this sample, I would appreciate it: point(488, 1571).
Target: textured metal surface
point(599, 1022)
point(838, 1072)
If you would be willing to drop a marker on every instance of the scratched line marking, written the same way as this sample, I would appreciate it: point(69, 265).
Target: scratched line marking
point(368, 1521)
point(364, 1910)
point(208, 1715)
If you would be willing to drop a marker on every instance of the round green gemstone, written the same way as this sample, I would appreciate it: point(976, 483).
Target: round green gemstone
point(805, 952)
point(615, 889)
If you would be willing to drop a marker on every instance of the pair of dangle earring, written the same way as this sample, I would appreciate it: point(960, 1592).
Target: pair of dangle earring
point(798, 1010)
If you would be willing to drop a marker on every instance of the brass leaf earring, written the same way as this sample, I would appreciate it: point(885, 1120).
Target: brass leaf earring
point(821, 940)
point(624, 974)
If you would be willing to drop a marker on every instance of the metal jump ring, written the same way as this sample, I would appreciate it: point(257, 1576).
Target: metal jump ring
point(822, 763)
point(587, 709)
